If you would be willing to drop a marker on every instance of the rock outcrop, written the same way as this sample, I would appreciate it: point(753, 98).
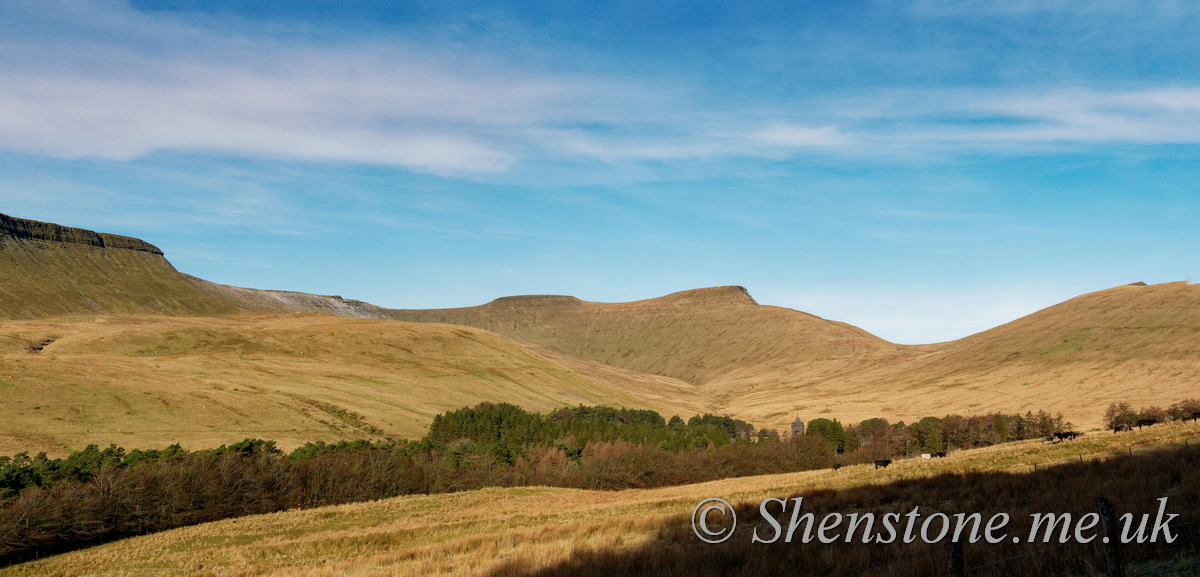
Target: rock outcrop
point(20, 228)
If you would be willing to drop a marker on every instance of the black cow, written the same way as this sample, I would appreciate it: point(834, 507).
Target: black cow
point(882, 463)
point(837, 466)
point(1145, 422)
point(939, 454)
point(1063, 436)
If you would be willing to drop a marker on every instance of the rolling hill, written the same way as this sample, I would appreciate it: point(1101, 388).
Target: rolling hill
point(769, 365)
point(698, 335)
point(111, 344)
point(105, 342)
point(147, 381)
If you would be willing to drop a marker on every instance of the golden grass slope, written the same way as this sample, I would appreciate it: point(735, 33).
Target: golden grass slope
point(149, 381)
point(696, 335)
point(1132, 343)
point(477, 532)
point(107, 343)
point(705, 350)
point(770, 365)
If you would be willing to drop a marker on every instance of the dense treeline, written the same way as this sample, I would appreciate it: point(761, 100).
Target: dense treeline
point(503, 430)
point(49, 505)
point(1121, 414)
point(95, 495)
point(876, 438)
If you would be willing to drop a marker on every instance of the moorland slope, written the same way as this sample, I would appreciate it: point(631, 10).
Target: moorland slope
point(51, 270)
point(697, 335)
point(705, 350)
point(769, 365)
point(103, 341)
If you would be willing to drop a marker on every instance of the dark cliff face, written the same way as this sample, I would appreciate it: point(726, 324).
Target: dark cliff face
point(35, 230)
point(51, 270)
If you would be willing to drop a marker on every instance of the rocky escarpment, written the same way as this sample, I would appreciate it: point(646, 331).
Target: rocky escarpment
point(51, 270)
point(20, 228)
point(279, 301)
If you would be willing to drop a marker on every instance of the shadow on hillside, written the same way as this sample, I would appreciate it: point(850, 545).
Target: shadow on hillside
point(1135, 484)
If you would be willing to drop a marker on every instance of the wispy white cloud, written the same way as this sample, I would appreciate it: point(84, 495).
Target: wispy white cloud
point(100, 79)
point(391, 104)
point(793, 136)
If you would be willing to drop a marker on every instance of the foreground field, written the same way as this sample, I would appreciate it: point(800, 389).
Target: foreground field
point(497, 530)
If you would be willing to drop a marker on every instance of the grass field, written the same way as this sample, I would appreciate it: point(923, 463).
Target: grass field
point(149, 381)
point(495, 530)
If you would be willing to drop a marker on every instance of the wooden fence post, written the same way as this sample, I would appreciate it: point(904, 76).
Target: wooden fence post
point(1112, 540)
point(955, 567)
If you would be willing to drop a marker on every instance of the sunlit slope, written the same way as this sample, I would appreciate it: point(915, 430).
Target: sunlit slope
point(705, 350)
point(1134, 343)
point(144, 382)
point(761, 363)
point(696, 336)
point(770, 365)
point(49, 270)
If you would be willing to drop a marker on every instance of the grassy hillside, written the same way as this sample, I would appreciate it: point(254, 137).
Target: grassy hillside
point(148, 381)
point(107, 343)
point(696, 336)
point(519, 531)
point(770, 365)
point(51, 270)
point(1132, 343)
point(705, 350)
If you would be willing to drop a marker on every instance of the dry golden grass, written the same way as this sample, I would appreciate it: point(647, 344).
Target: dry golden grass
point(142, 381)
point(475, 532)
point(769, 365)
point(149, 381)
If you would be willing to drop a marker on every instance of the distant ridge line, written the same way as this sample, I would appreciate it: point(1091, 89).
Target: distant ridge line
point(37, 230)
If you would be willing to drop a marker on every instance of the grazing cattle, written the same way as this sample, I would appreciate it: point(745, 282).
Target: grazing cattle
point(1145, 422)
point(1048, 439)
point(926, 456)
point(882, 463)
point(837, 466)
point(940, 454)
point(1121, 427)
point(1195, 416)
point(1062, 436)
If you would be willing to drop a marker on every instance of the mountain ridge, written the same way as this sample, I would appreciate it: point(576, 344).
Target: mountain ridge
point(713, 349)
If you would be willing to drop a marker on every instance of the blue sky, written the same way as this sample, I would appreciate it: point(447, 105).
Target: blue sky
point(923, 169)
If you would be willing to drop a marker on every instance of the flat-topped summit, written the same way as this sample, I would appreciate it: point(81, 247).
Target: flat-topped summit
point(526, 301)
point(719, 295)
point(49, 270)
point(34, 230)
